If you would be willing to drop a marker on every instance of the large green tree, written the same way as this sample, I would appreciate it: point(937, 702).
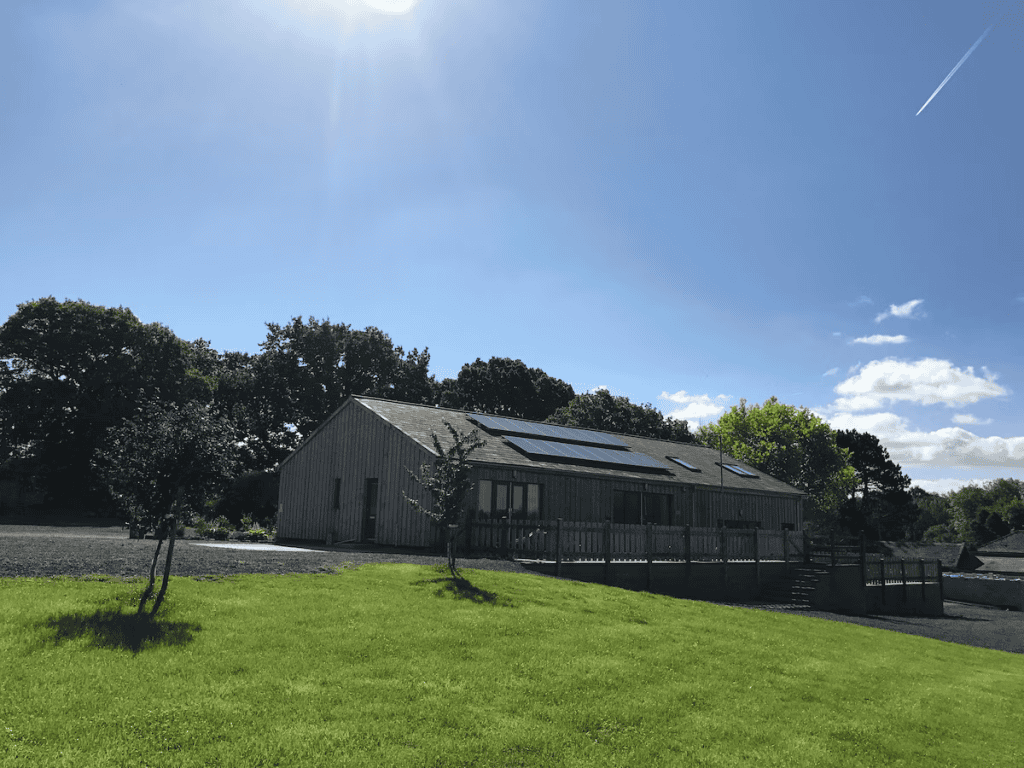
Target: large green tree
point(161, 465)
point(880, 504)
point(982, 513)
point(505, 387)
point(792, 445)
point(70, 371)
point(307, 368)
point(610, 413)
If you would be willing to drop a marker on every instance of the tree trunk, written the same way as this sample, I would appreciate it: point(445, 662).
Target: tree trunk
point(152, 576)
point(172, 521)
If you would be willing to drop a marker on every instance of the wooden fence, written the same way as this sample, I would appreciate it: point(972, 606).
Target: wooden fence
point(569, 541)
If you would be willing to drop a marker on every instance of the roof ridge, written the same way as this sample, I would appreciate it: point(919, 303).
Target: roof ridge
point(468, 412)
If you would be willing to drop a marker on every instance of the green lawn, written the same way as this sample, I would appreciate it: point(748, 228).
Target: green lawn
point(394, 665)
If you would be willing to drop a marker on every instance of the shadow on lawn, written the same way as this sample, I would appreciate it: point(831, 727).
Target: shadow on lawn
point(109, 628)
point(459, 587)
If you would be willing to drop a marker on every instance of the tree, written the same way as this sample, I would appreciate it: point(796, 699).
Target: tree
point(982, 513)
point(306, 369)
point(792, 445)
point(884, 507)
point(70, 371)
point(505, 387)
point(603, 411)
point(933, 522)
point(448, 481)
point(166, 461)
point(245, 394)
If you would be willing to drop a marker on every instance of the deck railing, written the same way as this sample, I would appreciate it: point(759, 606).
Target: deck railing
point(572, 541)
point(562, 541)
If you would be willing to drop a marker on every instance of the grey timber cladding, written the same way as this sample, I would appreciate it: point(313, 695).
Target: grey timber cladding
point(324, 482)
point(352, 445)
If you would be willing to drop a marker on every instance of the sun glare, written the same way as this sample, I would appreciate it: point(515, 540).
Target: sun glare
point(394, 7)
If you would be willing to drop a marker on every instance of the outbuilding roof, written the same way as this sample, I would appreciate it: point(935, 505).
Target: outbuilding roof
point(420, 422)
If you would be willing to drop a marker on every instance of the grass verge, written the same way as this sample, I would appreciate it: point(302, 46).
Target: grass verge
point(399, 665)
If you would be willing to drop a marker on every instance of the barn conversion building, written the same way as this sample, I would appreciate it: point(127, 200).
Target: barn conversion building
point(348, 481)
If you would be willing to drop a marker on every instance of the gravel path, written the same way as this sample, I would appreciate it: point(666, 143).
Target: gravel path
point(33, 550)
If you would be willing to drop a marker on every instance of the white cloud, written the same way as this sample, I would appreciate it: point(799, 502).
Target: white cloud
point(948, 447)
point(880, 339)
point(860, 300)
point(969, 418)
point(831, 372)
point(927, 382)
point(696, 407)
point(900, 310)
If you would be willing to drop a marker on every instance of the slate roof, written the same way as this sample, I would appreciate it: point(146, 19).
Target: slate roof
point(1008, 565)
point(420, 421)
point(1012, 543)
point(954, 557)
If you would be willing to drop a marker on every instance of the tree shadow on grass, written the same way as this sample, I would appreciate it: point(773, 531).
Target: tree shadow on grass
point(458, 586)
point(110, 628)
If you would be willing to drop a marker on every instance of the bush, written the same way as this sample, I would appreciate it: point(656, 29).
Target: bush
point(219, 529)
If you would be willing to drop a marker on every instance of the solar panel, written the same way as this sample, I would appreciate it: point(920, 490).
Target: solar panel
point(682, 463)
point(517, 427)
point(739, 470)
point(583, 452)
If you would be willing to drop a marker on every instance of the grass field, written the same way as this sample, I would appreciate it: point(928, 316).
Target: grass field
point(398, 665)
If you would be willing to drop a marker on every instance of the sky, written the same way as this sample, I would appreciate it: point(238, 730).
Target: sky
point(687, 203)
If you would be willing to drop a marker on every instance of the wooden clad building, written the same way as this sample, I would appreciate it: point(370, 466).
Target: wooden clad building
point(348, 480)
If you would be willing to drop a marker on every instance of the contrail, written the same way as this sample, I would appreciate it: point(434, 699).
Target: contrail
point(955, 69)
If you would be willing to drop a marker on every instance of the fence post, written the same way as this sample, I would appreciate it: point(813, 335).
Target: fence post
point(650, 554)
point(832, 547)
point(508, 536)
point(724, 555)
point(807, 547)
point(881, 570)
point(687, 552)
point(607, 548)
point(863, 559)
point(903, 577)
point(938, 574)
point(785, 549)
point(757, 556)
point(920, 565)
point(558, 547)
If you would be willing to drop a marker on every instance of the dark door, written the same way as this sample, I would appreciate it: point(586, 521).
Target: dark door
point(370, 510)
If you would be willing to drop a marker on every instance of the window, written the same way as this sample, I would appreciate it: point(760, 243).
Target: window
point(484, 499)
point(738, 470)
point(496, 500)
point(337, 494)
point(682, 463)
point(634, 508)
point(626, 507)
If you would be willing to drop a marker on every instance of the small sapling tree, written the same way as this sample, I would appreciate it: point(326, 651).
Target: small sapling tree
point(164, 461)
point(447, 481)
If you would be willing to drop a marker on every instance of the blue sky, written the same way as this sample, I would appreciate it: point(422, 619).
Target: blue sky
point(686, 203)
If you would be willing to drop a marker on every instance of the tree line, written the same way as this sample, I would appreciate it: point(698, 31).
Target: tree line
point(94, 403)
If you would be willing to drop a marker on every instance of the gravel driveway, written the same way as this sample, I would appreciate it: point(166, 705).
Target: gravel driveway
point(77, 550)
